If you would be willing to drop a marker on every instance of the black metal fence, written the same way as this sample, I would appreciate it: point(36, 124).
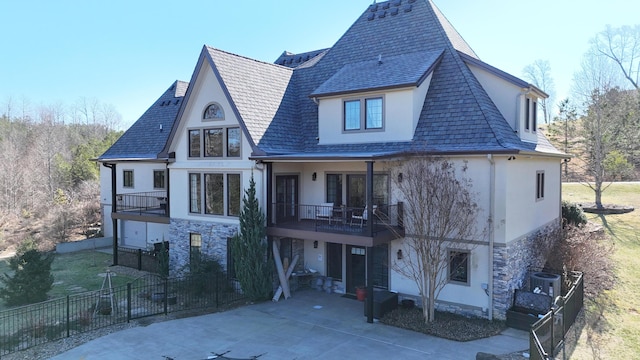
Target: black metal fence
point(27, 326)
point(546, 338)
point(140, 259)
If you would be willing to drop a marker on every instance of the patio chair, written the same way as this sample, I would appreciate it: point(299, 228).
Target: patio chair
point(362, 217)
point(324, 211)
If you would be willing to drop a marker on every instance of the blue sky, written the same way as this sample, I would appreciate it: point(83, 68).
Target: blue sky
point(126, 53)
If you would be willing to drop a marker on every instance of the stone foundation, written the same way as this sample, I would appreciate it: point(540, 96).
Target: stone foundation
point(511, 264)
point(214, 241)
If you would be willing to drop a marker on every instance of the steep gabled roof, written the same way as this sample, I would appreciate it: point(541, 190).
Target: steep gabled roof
point(257, 90)
point(146, 138)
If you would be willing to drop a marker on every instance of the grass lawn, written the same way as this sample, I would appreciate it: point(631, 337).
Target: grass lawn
point(613, 319)
point(76, 272)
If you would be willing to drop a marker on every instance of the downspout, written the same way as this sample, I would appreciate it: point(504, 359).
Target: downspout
point(114, 222)
point(492, 194)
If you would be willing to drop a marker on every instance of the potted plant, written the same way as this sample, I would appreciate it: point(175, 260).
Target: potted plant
point(361, 292)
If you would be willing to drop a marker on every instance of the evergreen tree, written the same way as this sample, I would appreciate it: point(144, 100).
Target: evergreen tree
point(250, 250)
point(31, 279)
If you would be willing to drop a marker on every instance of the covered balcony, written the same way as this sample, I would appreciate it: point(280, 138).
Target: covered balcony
point(143, 206)
point(350, 225)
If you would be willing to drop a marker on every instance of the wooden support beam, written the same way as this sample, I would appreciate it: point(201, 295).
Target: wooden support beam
point(276, 297)
point(281, 275)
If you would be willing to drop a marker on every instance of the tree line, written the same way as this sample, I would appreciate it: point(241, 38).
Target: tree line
point(49, 182)
point(599, 125)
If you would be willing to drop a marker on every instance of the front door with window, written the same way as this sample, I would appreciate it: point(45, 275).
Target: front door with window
point(356, 268)
point(286, 198)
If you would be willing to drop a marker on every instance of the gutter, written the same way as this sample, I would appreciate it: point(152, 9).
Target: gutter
point(492, 193)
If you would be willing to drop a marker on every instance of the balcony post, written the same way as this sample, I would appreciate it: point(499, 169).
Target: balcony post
point(369, 197)
point(269, 189)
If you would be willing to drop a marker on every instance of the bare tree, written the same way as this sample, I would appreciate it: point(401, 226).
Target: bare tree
point(621, 46)
point(440, 215)
point(539, 74)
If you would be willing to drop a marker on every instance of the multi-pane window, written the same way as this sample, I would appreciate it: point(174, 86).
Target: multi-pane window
point(356, 190)
point(127, 178)
point(233, 194)
point(195, 197)
point(539, 185)
point(363, 114)
point(158, 179)
point(213, 142)
point(218, 142)
point(352, 115)
point(214, 195)
point(374, 113)
point(459, 266)
point(194, 143)
point(334, 189)
point(221, 194)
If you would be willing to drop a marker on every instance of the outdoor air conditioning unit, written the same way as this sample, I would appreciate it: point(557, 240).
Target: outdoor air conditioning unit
point(548, 283)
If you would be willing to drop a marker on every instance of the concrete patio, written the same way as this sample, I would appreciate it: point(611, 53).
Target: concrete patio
point(309, 325)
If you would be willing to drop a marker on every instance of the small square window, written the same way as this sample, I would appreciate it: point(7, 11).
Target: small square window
point(459, 266)
point(158, 179)
point(127, 178)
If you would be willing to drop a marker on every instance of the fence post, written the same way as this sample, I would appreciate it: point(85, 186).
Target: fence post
point(139, 259)
point(128, 302)
point(166, 290)
point(68, 318)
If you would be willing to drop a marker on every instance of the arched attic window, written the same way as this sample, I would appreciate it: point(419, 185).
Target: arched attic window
point(213, 112)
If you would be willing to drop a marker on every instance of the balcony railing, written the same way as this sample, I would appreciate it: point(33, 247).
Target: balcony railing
point(153, 203)
point(338, 219)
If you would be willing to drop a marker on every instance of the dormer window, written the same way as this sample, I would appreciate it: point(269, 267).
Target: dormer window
point(363, 114)
point(530, 115)
point(213, 112)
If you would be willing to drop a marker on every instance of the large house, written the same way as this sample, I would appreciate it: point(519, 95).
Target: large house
point(320, 132)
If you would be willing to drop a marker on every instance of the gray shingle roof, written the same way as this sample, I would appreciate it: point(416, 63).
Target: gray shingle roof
point(258, 91)
point(402, 70)
point(144, 139)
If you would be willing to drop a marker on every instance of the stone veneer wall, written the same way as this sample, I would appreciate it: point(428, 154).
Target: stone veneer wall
point(511, 264)
point(214, 241)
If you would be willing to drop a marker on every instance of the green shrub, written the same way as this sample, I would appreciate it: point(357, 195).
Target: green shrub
point(31, 279)
point(572, 214)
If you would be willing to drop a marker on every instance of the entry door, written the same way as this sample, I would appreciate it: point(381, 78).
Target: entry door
point(286, 198)
point(356, 268)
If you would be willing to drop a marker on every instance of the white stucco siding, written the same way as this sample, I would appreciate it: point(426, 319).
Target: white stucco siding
point(471, 294)
point(523, 212)
point(207, 90)
point(401, 114)
point(505, 95)
point(142, 176)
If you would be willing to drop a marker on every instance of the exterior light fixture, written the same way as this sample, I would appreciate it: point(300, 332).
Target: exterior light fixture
point(315, 244)
point(400, 256)
point(314, 176)
point(399, 177)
